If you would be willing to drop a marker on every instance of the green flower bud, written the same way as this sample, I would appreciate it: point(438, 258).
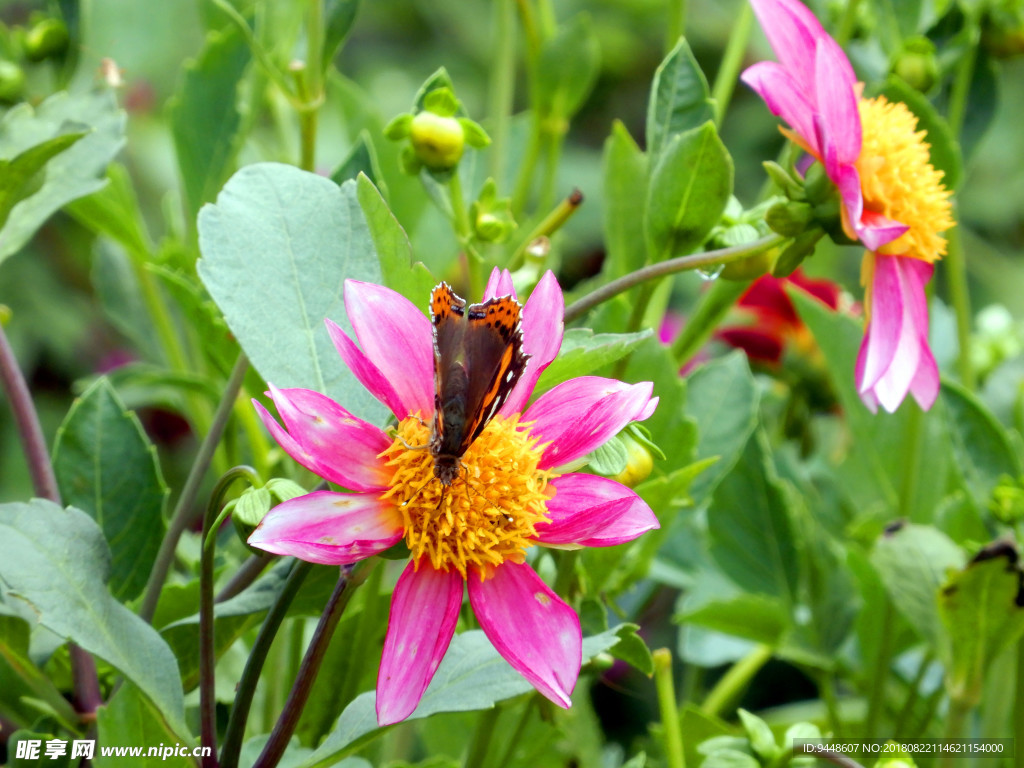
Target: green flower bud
point(789, 219)
point(748, 269)
point(1007, 502)
point(46, 39)
point(639, 462)
point(438, 141)
point(916, 64)
point(12, 82)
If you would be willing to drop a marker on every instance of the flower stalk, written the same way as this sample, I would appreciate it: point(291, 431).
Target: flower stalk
point(675, 757)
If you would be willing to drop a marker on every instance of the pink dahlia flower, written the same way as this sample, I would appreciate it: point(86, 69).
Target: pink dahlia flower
point(893, 200)
point(509, 496)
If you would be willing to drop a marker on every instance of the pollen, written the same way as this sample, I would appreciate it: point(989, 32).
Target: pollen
point(899, 181)
point(488, 515)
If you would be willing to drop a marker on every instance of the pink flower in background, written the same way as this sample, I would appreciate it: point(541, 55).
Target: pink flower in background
point(508, 497)
point(892, 197)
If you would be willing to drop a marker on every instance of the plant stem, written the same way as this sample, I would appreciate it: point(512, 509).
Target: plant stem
point(675, 757)
point(44, 482)
point(956, 280)
point(732, 60)
point(956, 727)
point(675, 26)
point(883, 661)
point(184, 512)
point(246, 574)
point(477, 753)
point(730, 687)
point(351, 577)
point(827, 692)
point(551, 223)
point(516, 738)
point(502, 85)
point(912, 461)
point(464, 233)
point(707, 259)
point(847, 23)
point(914, 694)
point(567, 560)
point(235, 730)
point(1018, 707)
point(714, 305)
point(258, 53)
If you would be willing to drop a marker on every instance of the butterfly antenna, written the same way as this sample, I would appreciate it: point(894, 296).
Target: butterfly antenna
point(418, 492)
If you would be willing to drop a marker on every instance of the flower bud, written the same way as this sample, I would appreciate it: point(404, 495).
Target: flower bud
point(639, 461)
point(1007, 502)
point(12, 82)
point(789, 219)
point(438, 141)
point(916, 64)
point(46, 39)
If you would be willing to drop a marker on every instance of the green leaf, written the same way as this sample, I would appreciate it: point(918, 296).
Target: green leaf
point(339, 15)
point(912, 562)
point(75, 164)
point(362, 158)
point(40, 758)
point(106, 466)
point(982, 609)
point(399, 273)
point(625, 184)
point(722, 398)
point(277, 248)
point(689, 189)
point(57, 562)
point(114, 211)
point(761, 738)
point(568, 67)
point(760, 618)
point(729, 758)
point(584, 352)
point(472, 676)
point(680, 98)
point(130, 719)
point(632, 649)
point(981, 446)
point(205, 119)
point(749, 525)
point(117, 288)
point(944, 149)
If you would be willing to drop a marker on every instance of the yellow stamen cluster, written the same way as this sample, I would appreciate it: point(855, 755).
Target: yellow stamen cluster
point(488, 514)
point(899, 181)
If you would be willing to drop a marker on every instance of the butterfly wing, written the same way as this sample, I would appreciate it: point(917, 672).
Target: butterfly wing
point(448, 316)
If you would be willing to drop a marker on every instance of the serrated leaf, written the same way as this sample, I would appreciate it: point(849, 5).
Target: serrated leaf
point(625, 186)
point(129, 718)
point(689, 188)
point(57, 562)
point(584, 352)
point(75, 171)
point(277, 248)
point(107, 467)
point(680, 98)
point(472, 676)
point(205, 118)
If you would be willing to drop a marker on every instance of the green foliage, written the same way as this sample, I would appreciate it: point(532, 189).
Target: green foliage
point(680, 98)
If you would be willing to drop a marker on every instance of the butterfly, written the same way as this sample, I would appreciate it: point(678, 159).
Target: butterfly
point(478, 360)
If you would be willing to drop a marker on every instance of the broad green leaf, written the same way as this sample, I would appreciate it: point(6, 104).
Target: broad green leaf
point(472, 676)
point(982, 610)
point(569, 64)
point(762, 740)
point(680, 98)
point(689, 188)
point(749, 525)
point(412, 280)
point(760, 618)
point(22, 175)
point(277, 248)
point(114, 211)
point(584, 352)
point(671, 426)
point(943, 147)
point(339, 15)
point(107, 467)
point(625, 185)
point(980, 444)
point(722, 398)
point(76, 170)
point(58, 563)
point(205, 119)
point(912, 562)
point(129, 719)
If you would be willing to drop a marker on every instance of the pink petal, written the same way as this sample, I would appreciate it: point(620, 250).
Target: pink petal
point(581, 414)
point(499, 284)
point(836, 99)
point(785, 98)
point(531, 627)
point(793, 32)
point(594, 511)
point(330, 528)
point(542, 338)
point(424, 612)
point(368, 374)
point(397, 339)
point(332, 442)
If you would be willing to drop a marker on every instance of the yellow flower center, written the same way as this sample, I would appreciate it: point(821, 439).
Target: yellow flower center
point(488, 514)
point(899, 182)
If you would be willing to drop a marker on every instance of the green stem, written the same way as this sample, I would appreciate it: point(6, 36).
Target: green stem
point(883, 662)
point(961, 89)
point(275, 74)
point(706, 260)
point(12, 381)
point(675, 26)
point(730, 687)
point(956, 278)
point(184, 511)
point(516, 738)
point(235, 730)
point(527, 168)
point(370, 620)
point(675, 757)
point(827, 691)
point(502, 85)
point(732, 61)
point(476, 756)
point(550, 224)
point(956, 728)
point(912, 461)
point(906, 714)
point(714, 304)
point(464, 232)
point(315, 47)
point(1018, 707)
point(246, 574)
point(848, 22)
point(351, 577)
point(566, 571)
point(552, 141)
